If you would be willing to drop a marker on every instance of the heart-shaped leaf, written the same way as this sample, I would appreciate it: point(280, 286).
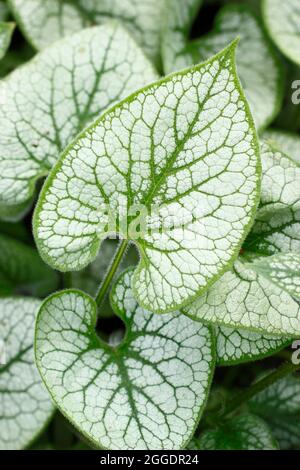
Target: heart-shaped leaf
point(45, 21)
point(45, 103)
point(242, 298)
point(25, 406)
point(6, 31)
point(245, 432)
point(258, 67)
point(282, 19)
point(182, 151)
point(22, 270)
point(238, 346)
point(176, 53)
point(288, 142)
point(147, 392)
point(279, 405)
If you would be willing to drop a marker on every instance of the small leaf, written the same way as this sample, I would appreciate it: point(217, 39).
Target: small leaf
point(6, 31)
point(45, 21)
point(283, 270)
point(238, 346)
point(244, 299)
point(25, 406)
point(146, 393)
point(185, 150)
point(277, 222)
point(287, 142)
point(282, 19)
point(22, 270)
point(176, 53)
point(45, 103)
point(258, 66)
point(279, 405)
point(245, 432)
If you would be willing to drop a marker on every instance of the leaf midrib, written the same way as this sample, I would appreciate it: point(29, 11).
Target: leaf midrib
point(171, 160)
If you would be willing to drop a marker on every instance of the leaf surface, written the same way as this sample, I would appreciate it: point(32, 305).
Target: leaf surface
point(279, 405)
point(258, 67)
point(22, 271)
point(288, 142)
point(246, 300)
point(283, 269)
point(277, 221)
point(146, 393)
point(243, 298)
point(245, 432)
point(45, 21)
point(25, 406)
point(282, 19)
point(185, 150)
point(176, 53)
point(45, 103)
point(239, 346)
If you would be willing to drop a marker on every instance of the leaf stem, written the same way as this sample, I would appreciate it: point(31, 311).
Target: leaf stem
point(241, 398)
point(104, 286)
point(244, 396)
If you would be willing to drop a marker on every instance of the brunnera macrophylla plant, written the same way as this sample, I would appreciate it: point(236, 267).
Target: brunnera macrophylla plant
point(147, 392)
point(155, 149)
point(165, 237)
